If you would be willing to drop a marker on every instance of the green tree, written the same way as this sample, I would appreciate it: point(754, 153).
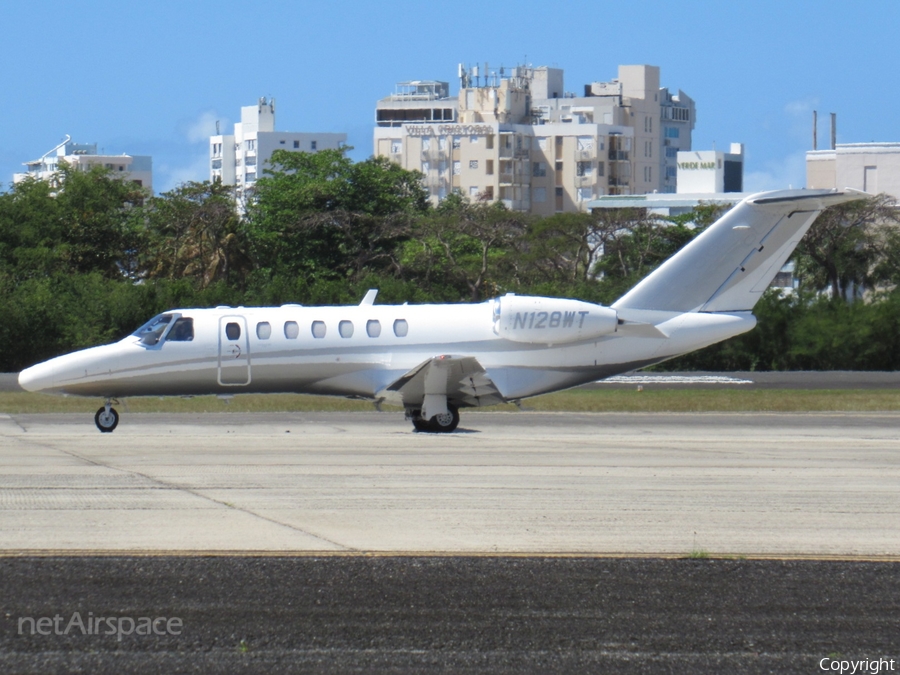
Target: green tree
point(844, 248)
point(464, 251)
point(194, 232)
point(322, 216)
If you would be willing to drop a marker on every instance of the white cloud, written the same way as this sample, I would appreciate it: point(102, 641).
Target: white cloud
point(801, 108)
point(789, 171)
point(170, 177)
point(200, 129)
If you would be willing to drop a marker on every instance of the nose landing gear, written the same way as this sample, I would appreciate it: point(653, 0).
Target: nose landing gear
point(106, 419)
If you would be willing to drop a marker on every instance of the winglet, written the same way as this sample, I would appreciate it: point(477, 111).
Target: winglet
point(369, 298)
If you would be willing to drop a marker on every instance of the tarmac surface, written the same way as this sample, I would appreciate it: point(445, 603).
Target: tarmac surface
point(732, 484)
point(524, 542)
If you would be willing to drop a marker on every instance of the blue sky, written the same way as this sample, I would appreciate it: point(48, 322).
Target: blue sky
point(152, 77)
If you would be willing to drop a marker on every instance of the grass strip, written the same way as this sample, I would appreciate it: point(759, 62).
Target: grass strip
point(576, 400)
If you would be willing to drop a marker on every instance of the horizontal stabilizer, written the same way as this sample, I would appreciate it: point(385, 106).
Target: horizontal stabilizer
point(728, 266)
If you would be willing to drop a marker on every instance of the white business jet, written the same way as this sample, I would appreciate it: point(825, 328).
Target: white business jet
point(435, 359)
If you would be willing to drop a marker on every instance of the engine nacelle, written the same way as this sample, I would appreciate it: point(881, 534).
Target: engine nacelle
point(536, 320)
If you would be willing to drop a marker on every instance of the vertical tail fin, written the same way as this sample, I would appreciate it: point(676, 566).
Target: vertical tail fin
point(727, 267)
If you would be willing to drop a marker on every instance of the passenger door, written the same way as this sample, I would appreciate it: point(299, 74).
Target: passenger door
point(234, 351)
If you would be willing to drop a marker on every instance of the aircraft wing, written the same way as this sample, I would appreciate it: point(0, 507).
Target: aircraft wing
point(461, 378)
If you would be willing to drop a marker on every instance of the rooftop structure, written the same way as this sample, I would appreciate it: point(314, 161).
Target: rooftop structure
point(83, 156)
point(870, 167)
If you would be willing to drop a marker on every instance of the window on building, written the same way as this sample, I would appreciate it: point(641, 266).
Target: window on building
point(673, 132)
point(426, 144)
point(291, 330)
point(250, 177)
point(489, 192)
point(297, 144)
point(489, 167)
point(542, 143)
point(539, 195)
point(584, 194)
point(250, 144)
point(345, 328)
point(442, 166)
point(426, 167)
point(396, 147)
point(457, 140)
point(489, 141)
point(314, 145)
point(473, 163)
point(457, 168)
point(584, 168)
point(671, 153)
point(600, 170)
point(539, 169)
point(442, 143)
point(473, 191)
point(558, 167)
point(318, 329)
point(263, 330)
point(671, 171)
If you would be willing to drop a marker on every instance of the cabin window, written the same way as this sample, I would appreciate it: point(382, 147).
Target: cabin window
point(182, 331)
point(345, 328)
point(233, 331)
point(263, 330)
point(291, 330)
point(373, 328)
point(401, 328)
point(151, 331)
point(318, 329)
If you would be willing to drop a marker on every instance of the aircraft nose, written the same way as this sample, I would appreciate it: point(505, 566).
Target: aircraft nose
point(37, 378)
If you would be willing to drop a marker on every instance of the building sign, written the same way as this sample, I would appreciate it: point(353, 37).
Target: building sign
point(697, 166)
point(448, 129)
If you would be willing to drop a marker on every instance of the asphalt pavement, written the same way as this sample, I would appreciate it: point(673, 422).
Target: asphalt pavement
point(445, 615)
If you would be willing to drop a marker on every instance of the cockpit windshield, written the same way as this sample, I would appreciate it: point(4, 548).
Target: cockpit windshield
point(152, 331)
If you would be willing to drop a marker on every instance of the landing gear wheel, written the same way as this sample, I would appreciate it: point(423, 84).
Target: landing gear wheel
point(106, 419)
point(446, 422)
point(419, 423)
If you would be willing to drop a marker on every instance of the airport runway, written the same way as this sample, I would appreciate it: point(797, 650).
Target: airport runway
point(633, 484)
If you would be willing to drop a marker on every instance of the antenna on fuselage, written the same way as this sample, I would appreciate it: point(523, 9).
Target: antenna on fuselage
point(369, 299)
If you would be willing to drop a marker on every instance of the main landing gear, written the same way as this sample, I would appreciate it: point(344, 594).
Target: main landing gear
point(106, 419)
point(444, 423)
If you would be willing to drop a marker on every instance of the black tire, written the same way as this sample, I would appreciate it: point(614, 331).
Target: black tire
point(106, 423)
point(444, 424)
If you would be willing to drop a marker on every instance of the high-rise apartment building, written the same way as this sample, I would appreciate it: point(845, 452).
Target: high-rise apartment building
point(239, 159)
point(83, 156)
point(517, 136)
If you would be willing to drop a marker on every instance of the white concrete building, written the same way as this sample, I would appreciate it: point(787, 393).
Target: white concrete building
point(871, 167)
point(711, 171)
point(516, 136)
point(239, 159)
point(83, 156)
